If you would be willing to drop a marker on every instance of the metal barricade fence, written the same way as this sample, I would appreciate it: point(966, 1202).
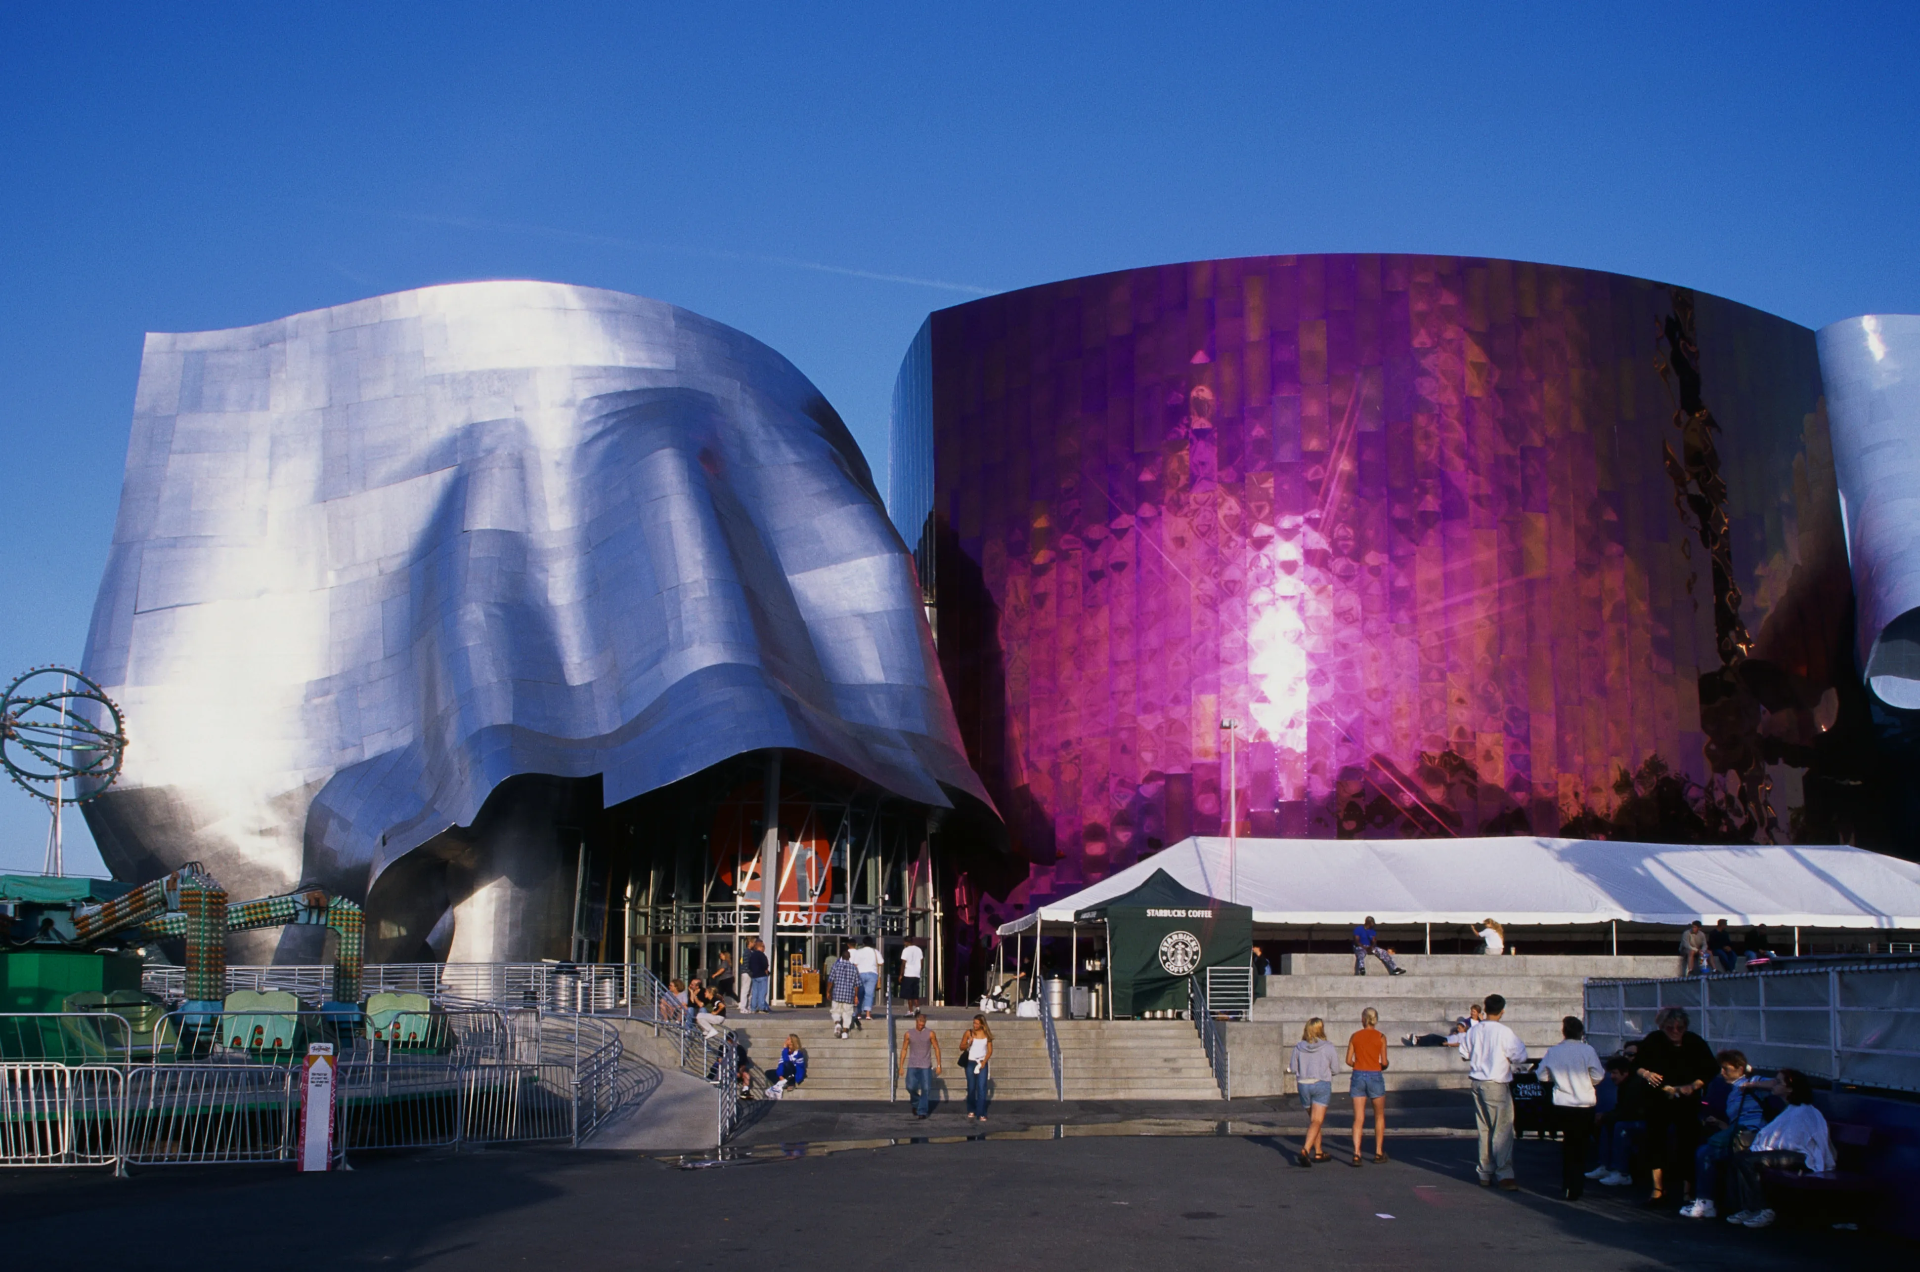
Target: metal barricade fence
point(224, 1086)
point(554, 992)
point(1213, 1039)
point(54, 1114)
point(1850, 1023)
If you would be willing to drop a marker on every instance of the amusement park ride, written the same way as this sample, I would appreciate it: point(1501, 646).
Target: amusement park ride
point(62, 741)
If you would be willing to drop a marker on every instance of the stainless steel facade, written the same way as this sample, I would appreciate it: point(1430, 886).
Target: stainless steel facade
point(373, 561)
point(1871, 366)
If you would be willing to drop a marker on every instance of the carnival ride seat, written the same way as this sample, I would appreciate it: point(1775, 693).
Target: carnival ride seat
point(263, 1023)
point(151, 1033)
point(407, 1022)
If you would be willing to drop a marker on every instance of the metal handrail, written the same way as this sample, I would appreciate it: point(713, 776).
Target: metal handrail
point(1213, 1039)
point(1053, 1049)
point(893, 1041)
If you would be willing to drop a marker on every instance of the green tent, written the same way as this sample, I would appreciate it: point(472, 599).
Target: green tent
point(1160, 934)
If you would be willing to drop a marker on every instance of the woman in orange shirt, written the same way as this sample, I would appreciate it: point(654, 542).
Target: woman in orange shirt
point(1367, 1057)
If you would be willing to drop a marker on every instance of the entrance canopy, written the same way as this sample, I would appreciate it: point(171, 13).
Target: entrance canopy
point(1527, 881)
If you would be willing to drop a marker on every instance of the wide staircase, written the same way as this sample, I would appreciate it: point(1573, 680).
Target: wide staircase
point(1540, 989)
point(1133, 1060)
point(1100, 1059)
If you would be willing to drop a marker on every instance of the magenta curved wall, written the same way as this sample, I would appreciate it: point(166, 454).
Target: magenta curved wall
point(1470, 546)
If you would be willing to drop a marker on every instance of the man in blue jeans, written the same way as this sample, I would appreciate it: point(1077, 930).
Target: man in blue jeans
point(867, 960)
point(759, 977)
point(920, 1058)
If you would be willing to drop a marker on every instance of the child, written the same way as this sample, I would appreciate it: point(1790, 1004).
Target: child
point(1745, 1115)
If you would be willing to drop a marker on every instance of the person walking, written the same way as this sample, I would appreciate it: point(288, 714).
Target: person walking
point(1367, 1057)
point(913, 960)
point(844, 989)
point(1571, 1066)
point(920, 1060)
point(866, 960)
point(976, 1049)
point(1491, 1050)
point(1365, 942)
point(1677, 1064)
point(759, 977)
point(1312, 1065)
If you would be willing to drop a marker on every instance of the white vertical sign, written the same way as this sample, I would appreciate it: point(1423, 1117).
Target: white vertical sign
point(317, 1099)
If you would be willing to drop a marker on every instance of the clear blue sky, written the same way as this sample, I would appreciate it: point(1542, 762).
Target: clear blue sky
point(822, 182)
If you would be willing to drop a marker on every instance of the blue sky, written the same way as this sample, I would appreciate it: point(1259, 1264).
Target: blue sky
point(823, 176)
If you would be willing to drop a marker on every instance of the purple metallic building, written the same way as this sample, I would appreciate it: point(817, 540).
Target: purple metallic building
point(1467, 546)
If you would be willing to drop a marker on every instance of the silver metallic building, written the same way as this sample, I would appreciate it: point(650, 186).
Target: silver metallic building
point(1871, 367)
point(374, 561)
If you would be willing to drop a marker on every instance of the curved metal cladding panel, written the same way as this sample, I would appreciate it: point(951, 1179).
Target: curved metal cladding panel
point(1871, 366)
point(374, 559)
point(1459, 541)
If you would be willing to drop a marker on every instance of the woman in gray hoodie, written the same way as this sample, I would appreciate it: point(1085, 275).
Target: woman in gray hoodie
point(1312, 1066)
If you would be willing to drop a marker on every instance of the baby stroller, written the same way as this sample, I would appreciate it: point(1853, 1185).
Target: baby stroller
point(1000, 997)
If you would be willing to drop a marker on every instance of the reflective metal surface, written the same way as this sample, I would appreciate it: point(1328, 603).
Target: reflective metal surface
point(1472, 546)
point(374, 560)
point(1871, 366)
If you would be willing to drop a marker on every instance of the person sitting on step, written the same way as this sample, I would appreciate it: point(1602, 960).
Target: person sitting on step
point(1365, 942)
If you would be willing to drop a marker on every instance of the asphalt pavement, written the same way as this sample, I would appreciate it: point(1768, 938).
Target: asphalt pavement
point(1108, 1199)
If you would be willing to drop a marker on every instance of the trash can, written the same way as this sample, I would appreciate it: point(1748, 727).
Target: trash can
point(1080, 1002)
point(1056, 988)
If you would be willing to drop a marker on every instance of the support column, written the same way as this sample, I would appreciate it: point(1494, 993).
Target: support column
point(770, 857)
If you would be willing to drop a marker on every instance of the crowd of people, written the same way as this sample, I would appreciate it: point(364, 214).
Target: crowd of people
point(1711, 949)
point(1701, 1126)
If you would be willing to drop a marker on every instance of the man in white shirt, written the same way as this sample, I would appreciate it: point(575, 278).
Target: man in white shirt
point(1491, 1050)
point(1572, 1066)
point(866, 960)
point(912, 960)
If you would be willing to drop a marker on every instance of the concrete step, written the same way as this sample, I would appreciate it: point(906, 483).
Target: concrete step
point(1445, 1006)
point(1448, 986)
point(1581, 965)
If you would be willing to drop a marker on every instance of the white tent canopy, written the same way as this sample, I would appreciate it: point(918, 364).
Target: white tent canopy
point(1528, 881)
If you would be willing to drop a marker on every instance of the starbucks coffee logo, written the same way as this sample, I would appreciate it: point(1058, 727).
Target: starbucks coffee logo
point(1180, 953)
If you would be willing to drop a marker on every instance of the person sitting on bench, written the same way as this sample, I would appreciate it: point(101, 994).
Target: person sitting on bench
point(1796, 1140)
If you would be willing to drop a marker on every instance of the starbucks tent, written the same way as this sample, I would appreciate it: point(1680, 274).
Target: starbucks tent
point(1162, 932)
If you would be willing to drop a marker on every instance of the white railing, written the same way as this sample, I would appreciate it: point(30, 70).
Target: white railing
point(1853, 1023)
point(1230, 992)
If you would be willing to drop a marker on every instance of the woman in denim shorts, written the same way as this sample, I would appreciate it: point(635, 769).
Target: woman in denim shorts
point(1312, 1065)
point(1367, 1057)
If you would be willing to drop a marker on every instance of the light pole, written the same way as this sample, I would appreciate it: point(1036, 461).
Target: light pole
point(1228, 726)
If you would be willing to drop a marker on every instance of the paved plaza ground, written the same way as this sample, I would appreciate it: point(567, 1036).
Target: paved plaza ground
point(1099, 1196)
